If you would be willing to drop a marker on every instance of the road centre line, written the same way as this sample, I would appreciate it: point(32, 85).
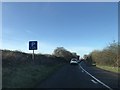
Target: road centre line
point(96, 78)
point(93, 81)
point(82, 71)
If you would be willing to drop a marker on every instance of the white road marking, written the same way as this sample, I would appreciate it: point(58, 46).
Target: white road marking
point(94, 81)
point(96, 78)
point(82, 71)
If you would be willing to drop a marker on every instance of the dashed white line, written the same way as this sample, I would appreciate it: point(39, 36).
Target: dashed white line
point(82, 71)
point(96, 78)
point(94, 81)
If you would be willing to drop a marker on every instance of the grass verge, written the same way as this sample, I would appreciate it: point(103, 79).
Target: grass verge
point(109, 68)
point(26, 76)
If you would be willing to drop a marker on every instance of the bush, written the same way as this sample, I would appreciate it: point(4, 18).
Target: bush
point(15, 58)
point(63, 53)
point(108, 56)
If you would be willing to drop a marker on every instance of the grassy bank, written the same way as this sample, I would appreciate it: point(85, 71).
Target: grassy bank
point(19, 71)
point(26, 76)
point(108, 68)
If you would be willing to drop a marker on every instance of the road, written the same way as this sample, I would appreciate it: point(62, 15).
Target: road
point(81, 76)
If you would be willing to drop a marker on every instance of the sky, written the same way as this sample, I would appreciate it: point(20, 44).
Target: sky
point(78, 27)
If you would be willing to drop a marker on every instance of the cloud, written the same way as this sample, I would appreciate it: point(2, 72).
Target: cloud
point(81, 50)
point(44, 47)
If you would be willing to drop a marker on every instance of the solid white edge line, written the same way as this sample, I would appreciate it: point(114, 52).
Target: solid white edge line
point(96, 79)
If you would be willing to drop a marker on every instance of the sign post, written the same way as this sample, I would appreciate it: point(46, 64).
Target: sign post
point(33, 46)
point(33, 56)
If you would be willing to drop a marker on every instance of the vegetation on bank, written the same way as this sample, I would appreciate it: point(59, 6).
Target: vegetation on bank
point(27, 76)
point(106, 58)
point(20, 71)
point(109, 68)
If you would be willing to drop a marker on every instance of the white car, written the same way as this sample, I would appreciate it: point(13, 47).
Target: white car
point(74, 61)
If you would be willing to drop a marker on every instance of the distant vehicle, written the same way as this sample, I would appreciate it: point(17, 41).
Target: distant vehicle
point(74, 61)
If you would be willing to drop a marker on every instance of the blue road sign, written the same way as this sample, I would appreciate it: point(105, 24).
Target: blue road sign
point(32, 45)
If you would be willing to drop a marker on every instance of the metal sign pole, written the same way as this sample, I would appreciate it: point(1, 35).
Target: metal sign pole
point(33, 56)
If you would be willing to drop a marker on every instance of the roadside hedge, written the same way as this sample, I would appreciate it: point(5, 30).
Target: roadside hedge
point(109, 56)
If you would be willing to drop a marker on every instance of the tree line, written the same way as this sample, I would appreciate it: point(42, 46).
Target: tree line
point(109, 56)
point(62, 52)
point(59, 55)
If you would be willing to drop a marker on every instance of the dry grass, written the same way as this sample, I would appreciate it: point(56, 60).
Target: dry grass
point(109, 68)
point(26, 76)
point(19, 71)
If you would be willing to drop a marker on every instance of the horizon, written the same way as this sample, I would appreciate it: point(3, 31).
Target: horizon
point(78, 27)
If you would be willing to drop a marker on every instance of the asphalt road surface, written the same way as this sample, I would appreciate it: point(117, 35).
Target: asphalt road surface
point(81, 76)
